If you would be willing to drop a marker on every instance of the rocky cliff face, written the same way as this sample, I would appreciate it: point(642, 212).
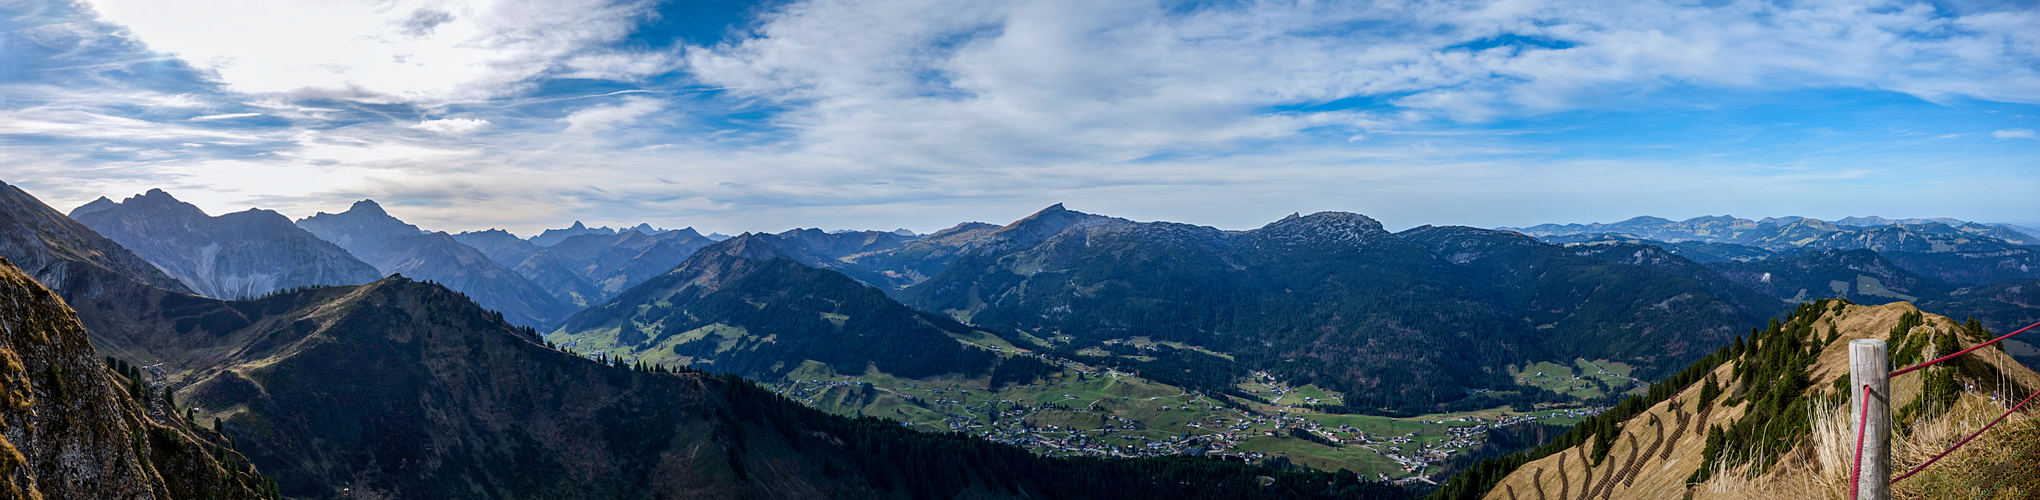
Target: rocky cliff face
point(242, 254)
point(73, 431)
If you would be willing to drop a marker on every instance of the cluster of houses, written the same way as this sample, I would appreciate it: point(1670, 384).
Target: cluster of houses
point(1220, 431)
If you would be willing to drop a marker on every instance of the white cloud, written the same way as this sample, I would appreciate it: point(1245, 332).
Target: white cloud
point(227, 116)
point(1014, 81)
point(2017, 133)
point(452, 126)
point(926, 112)
point(72, 122)
point(608, 117)
point(382, 51)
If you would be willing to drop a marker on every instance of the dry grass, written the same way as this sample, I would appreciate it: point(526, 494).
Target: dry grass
point(1820, 470)
point(2002, 463)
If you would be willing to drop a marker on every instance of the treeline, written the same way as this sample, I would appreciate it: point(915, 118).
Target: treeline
point(1770, 353)
point(1021, 370)
point(1773, 377)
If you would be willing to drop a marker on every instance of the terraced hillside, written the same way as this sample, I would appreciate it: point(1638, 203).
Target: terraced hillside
point(1766, 417)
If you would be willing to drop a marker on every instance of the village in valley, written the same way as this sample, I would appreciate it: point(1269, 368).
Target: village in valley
point(1099, 411)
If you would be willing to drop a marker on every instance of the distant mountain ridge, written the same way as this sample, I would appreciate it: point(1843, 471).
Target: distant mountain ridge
point(242, 254)
point(1779, 233)
point(589, 268)
point(1394, 320)
point(396, 247)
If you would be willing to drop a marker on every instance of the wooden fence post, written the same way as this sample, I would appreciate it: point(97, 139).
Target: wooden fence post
point(1868, 366)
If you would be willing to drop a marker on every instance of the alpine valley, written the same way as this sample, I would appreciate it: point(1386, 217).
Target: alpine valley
point(152, 350)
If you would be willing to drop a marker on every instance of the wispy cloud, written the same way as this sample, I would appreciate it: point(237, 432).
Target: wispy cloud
point(463, 114)
point(452, 126)
point(227, 116)
point(606, 117)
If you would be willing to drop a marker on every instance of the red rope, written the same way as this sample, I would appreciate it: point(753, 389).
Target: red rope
point(1862, 417)
point(1952, 449)
point(1962, 352)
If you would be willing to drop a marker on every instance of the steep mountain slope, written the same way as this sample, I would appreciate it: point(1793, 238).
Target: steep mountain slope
point(1396, 322)
point(403, 389)
point(242, 254)
point(72, 431)
point(131, 307)
point(61, 252)
point(547, 273)
point(742, 306)
point(1765, 418)
point(394, 247)
point(845, 252)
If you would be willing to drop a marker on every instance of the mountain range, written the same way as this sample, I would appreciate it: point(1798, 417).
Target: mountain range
point(570, 364)
point(396, 247)
point(586, 269)
point(1402, 322)
point(403, 388)
point(241, 254)
point(1780, 233)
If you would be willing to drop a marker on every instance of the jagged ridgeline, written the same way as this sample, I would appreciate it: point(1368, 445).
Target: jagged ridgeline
point(78, 429)
point(405, 389)
point(1767, 414)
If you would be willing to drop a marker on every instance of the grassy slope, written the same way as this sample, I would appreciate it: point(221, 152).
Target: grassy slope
point(1801, 474)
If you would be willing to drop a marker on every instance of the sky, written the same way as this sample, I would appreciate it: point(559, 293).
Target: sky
point(738, 116)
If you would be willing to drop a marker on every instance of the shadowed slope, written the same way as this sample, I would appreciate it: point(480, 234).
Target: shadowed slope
point(72, 431)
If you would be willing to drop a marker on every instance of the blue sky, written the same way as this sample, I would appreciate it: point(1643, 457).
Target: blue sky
point(732, 116)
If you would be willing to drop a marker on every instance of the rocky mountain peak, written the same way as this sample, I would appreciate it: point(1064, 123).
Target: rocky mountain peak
point(100, 204)
point(754, 246)
point(1325, 223)
point(160, 201)
point(367, 207)
point(1035, 228)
